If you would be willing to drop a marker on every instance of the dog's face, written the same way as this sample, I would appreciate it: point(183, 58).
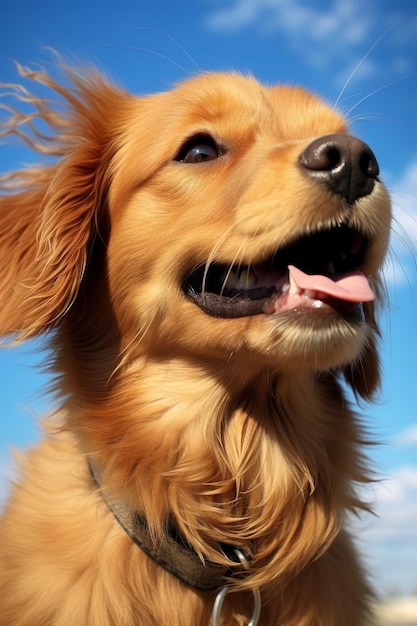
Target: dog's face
point(213, 198)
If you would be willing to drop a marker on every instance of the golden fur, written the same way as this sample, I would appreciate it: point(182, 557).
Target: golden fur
point(235, 428)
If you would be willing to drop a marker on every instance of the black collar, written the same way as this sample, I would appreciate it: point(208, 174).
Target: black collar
point(173, 552)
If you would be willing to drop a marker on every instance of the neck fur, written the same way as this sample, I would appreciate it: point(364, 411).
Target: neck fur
point(230, 464)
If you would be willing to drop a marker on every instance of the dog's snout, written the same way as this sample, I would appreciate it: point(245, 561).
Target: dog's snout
point(344, 164)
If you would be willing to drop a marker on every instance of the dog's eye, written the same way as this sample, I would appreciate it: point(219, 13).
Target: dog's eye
point(199, 149)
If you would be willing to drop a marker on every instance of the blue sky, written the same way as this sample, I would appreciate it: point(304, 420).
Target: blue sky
point(361, 53)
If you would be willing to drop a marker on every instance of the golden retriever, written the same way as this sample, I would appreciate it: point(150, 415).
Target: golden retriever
point(206, 263)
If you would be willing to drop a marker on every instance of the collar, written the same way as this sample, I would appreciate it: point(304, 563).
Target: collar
point(173, 552)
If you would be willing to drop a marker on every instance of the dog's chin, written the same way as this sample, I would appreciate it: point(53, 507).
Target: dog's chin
point(316, 335)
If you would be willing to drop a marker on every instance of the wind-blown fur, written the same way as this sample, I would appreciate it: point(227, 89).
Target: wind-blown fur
point(237, 430)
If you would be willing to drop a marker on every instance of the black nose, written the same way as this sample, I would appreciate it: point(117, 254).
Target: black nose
point(344, 164)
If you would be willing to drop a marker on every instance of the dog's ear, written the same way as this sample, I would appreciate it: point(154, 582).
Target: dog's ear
point(364, 375)
point(44, 235)
point(49, 214)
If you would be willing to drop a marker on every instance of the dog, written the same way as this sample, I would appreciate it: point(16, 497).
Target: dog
point(205, 263)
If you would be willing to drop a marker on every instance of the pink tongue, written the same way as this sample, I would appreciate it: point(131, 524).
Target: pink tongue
point(352, 286)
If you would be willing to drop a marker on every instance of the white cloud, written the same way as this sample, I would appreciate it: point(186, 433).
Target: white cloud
point(7, 473)
point(408, 437)
point(347, 19)
point(390, 540)
point(321, 35)
point(407, 34)
point(244, 12)
point(318, 33)
point(395, 488)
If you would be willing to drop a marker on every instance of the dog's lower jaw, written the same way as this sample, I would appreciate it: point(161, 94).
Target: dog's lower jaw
point(313, 341)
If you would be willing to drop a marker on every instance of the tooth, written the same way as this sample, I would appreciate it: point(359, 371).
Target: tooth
point(294, 288)
point(229, 280)
point(246, 279)
point(243, 280)
point(317, 304)
point(330, 268)
point(240, 283)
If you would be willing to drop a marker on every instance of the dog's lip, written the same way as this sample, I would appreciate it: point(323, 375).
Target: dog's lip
point(317, 270)
point(289, 295)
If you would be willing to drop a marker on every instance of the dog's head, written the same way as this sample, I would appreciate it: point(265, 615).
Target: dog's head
point(217, 204)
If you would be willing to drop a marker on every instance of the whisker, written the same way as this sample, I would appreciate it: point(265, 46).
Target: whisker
point(235, 263)
point(148, 51)
point(360, 63)
point(174, 41)
point(402, 231)
point(226, 278)
point(379, 89)
point(366, 117)
point(396, 261)
point(212, 256)
point(135, 341)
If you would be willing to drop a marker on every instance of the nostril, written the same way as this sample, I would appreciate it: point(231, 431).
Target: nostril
point(368, 163)
point(344, 164)
point(334, 157)
point(321, 157)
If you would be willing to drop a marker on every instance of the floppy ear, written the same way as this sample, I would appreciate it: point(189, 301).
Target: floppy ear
point(44, 235)
point(364, 375)
point(49, 214)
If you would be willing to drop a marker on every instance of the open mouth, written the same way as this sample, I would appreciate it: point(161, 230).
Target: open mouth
point(316, 268)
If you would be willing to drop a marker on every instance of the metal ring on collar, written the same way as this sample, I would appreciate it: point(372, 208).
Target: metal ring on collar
point(218, 603)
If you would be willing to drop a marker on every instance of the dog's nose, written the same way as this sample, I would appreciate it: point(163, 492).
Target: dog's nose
point(344, 164)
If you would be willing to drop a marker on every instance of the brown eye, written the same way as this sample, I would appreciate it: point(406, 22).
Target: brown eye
point(199, 149)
